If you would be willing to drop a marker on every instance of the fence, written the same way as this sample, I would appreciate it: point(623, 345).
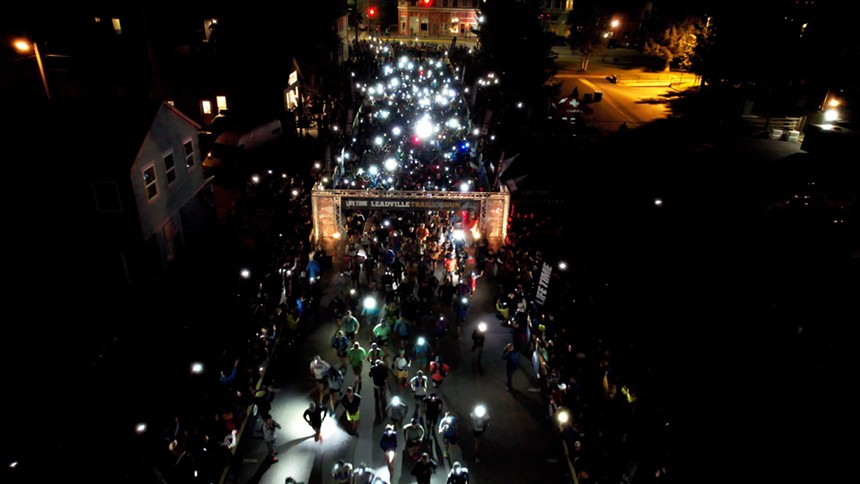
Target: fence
point(784, 128)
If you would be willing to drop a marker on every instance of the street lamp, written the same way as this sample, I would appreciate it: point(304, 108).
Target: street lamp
point(25, 46)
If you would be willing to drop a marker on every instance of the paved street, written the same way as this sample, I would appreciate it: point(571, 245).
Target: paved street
point(519, 445)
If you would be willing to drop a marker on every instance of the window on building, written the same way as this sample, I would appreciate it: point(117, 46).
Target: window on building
point(188, 146)
point(117, 28)
point(149, 181)
point(169, 168)
point(107, 197)
point(445, 3)
point(475, 3)
point(206, 106)
point(221, 101)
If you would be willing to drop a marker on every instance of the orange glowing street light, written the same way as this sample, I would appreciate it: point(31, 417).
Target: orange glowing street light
point(25, 46)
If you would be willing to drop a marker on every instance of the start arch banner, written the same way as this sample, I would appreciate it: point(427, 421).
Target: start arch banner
point(491, 210)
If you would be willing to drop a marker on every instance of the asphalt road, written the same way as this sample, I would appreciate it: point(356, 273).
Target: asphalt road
point(636, 103)
point(520, 444)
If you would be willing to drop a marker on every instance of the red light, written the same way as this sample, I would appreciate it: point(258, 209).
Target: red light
point(371, 12)
point(426, 2)
point(416, 139)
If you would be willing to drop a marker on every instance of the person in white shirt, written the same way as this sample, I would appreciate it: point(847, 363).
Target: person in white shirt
point(419, 383)
point(319, 372)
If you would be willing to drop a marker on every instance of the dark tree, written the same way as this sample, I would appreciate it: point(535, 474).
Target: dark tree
point(515, 47)
point(792, 52)
point(588, 21)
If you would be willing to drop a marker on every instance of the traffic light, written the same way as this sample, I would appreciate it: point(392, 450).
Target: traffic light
point(371, 12)
point(426, 3)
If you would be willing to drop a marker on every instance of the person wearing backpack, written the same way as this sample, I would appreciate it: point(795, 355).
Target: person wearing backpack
point(340, 343)
point(401, 368)
point(432, 411)
point(413, 432)
point(335, 384)
point(418, 383)
point(438, 372)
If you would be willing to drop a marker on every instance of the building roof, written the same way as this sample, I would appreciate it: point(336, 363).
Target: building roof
point(107, 134)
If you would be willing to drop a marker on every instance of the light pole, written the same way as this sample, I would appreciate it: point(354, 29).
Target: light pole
point(25, 46)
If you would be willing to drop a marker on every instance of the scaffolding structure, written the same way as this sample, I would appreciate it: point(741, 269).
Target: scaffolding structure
point(491, 208)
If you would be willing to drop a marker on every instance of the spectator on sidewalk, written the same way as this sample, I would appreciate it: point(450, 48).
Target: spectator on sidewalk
point(512, 364)
point(263, 400)
point(230, 441)
point(313, 269)
point(226, 378)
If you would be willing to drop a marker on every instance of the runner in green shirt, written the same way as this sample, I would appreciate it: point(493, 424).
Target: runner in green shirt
point(349, 325)
point(356, 355)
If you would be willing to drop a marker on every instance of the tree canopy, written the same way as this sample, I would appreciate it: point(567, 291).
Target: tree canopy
point(588, 22)
point(675, 44)
point(515, 46)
